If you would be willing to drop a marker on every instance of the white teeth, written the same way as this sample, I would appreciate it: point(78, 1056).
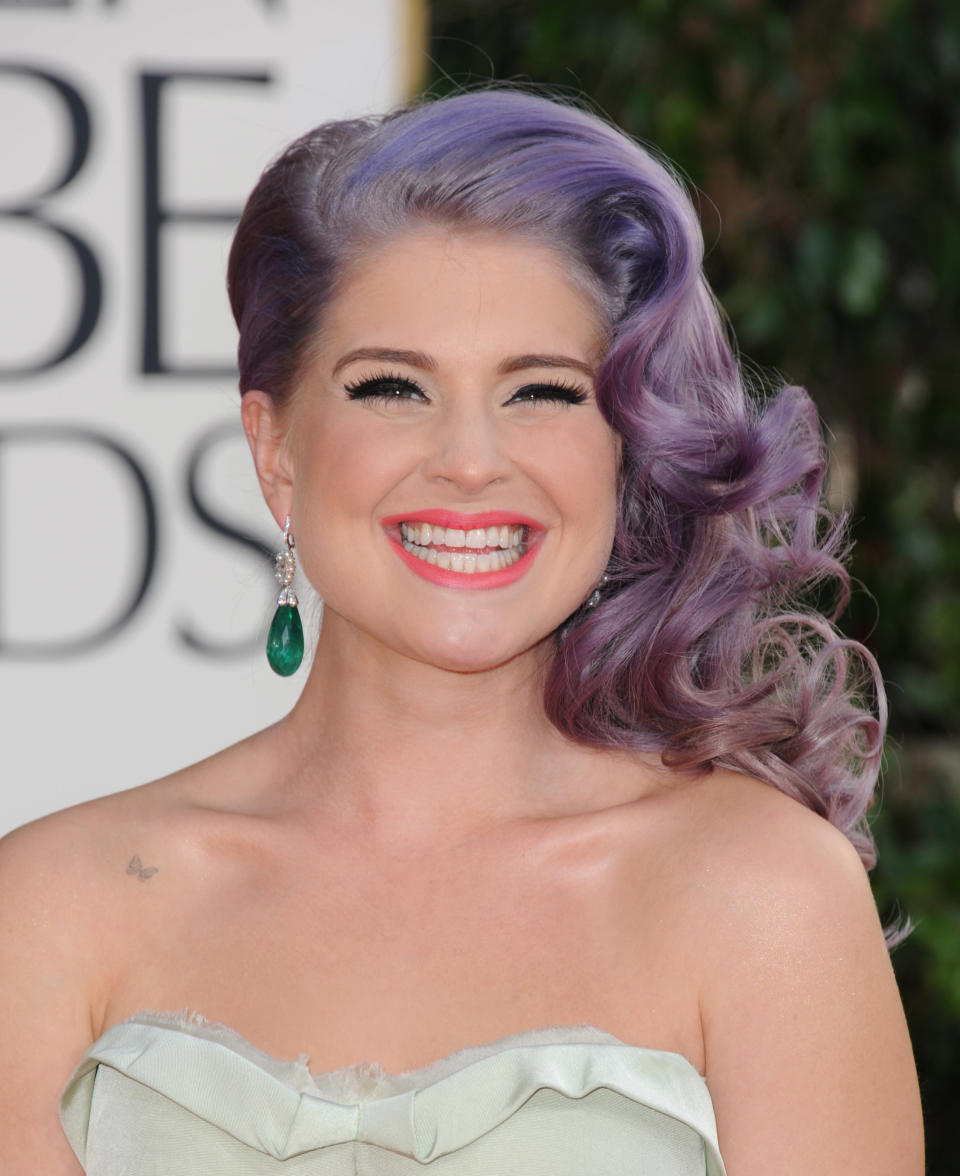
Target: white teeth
point(425, 534)
point(482, 549)
point(468, 562)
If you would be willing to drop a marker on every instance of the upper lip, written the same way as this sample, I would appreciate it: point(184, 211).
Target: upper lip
point(464, 522)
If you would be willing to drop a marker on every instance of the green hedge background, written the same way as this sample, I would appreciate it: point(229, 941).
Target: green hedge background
point(824, 142)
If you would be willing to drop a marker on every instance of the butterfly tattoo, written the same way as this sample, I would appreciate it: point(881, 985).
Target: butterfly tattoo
point(135, 866)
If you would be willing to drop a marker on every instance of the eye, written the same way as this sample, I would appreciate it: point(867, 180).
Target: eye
point(385, 387)
point(546, 393)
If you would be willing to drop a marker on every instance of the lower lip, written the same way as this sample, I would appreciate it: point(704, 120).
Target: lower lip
point(449, 579)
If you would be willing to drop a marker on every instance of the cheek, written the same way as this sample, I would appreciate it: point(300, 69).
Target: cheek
point(582, 467)
point(344, 470)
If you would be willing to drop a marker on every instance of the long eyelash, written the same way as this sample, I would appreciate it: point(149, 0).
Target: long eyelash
point(374, 386)
point(557, 390)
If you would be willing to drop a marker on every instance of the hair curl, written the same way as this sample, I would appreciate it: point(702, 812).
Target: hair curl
point(698, 648)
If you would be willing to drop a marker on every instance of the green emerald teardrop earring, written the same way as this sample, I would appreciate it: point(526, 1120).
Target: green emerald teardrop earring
point(285, 639)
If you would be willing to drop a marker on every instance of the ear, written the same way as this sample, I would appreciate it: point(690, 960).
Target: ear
point(265, 436)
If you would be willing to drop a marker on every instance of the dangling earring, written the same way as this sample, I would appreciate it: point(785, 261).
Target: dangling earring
point(594, 598)
point(285, 639)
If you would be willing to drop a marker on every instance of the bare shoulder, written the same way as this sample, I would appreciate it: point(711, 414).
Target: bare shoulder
point(65, 865)
point(807, 1053)
point(61, 884)
point(49, 882)
point(132, 826)
point(73, 889)
point(49, 976)
point(75, 882)
point(744, 864)
point(765, 859)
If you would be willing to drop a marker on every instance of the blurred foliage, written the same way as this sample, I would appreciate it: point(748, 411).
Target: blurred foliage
point(918, 875)
point(824, 140)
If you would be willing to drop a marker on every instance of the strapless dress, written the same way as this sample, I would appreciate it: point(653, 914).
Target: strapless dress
point(164, 1094)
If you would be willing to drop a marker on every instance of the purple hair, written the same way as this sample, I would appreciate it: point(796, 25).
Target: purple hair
point(702, 647)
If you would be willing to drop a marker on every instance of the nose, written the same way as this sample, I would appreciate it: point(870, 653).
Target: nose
point(466, 450)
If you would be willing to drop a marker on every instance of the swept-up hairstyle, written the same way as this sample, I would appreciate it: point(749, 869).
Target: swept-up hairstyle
point(699, 648)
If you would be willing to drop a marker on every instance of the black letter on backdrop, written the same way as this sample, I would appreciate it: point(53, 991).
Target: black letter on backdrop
point(156, 215)
point(29, 210)
point(206, 442)
point(79, 435)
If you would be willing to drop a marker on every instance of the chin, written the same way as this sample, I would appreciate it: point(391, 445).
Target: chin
point(470, 653)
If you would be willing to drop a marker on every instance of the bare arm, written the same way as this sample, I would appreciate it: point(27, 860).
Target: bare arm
point(808, 1057)
point(46, 905)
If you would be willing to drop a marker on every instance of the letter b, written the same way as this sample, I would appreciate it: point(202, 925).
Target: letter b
point(30, 211)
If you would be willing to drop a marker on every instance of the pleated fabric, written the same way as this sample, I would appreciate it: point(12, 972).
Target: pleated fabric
point(162, 1095)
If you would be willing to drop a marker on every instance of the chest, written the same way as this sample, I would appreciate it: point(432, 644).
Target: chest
point(404, 961)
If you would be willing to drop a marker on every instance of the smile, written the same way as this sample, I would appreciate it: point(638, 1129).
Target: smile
point(480, 549)
point(487, 550)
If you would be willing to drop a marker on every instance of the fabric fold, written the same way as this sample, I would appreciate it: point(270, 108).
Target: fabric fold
point(276, 1108)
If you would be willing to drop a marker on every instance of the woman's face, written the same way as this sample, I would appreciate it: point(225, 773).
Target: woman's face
point(451, 481)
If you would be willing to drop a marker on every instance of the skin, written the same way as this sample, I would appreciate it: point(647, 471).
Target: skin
point(414, 860)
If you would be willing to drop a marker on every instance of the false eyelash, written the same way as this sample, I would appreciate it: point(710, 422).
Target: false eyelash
point(371, 387)
point(559, 389)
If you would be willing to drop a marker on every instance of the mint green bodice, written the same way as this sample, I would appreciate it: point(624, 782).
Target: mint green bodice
point(165, 1095)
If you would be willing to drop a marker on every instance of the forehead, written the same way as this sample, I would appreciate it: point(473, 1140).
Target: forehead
point(463, 291)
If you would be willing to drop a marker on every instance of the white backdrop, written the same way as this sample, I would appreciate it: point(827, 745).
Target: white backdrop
point(134, 602)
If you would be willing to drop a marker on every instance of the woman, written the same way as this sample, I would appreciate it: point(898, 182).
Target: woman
point(567, 755)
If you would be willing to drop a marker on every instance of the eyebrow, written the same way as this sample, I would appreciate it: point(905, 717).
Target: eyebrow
point(520, 363)
point(426, 363)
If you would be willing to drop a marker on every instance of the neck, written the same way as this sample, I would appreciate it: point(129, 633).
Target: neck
point(397, 745)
